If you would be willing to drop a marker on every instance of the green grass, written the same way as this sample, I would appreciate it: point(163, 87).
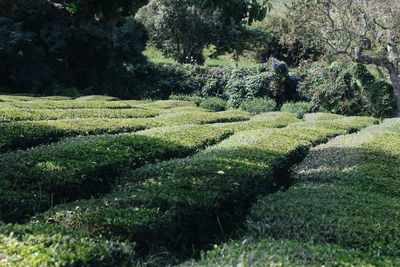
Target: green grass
point(156, 56)
point(342, 211)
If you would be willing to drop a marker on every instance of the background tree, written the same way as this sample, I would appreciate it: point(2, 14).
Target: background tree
point(234, 39)
point(367, 31)
point(180, 28)
point(49, 45)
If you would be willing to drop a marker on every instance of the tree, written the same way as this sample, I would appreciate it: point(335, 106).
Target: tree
point(367, 31)
point(180, 28)
point(47, 44)
point(234, 39)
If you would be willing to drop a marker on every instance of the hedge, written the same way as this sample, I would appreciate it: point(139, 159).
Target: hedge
point(186, 202)
point(24, 134)
point(342, 211)
point(16, 114)
point(35, 179)
point(73, 104)
point(46, 245)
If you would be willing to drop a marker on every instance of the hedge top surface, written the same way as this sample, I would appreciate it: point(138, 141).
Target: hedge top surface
point(343, 210)
point(321, 116)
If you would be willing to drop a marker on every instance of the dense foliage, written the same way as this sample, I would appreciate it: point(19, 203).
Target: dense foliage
point(180, 28)
point(344, 89)
point(271, 79)
point(274, 38)
point(343, 209)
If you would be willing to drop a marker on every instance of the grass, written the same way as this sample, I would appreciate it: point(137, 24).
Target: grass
point(156, 56)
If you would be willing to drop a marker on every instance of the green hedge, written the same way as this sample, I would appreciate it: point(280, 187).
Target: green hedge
point(73, 104)
point(298, 108)
point(47, 245)
point(202, 117)
point(321, 116)
point(343, 211)
point(24, 134)
point(35, 179)
point(188, 201)
point(28, 97)
point(16, 114)
point(166, 104)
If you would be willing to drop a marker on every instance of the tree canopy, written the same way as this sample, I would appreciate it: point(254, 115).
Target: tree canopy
point(366, 31)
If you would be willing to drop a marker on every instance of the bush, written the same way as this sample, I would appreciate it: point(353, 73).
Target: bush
point(38, 244)
point(346, 90)
point(204, 193)
point(258, 105)
point(83, 166)
point(236, 92)
point(191, 98)
point(298, 108)
point(214, 103)
point(341, 183)
point(379, 97)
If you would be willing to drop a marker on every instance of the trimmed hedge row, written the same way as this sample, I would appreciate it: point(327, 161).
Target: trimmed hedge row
point(264, 120)
point(202, 117)
point(73, 104)
point(25, 134)
point(16, 114)
point(321, 116)
point(27, 97)
point(35, 179)
point(343, 211)
point(47, 245)
point(166, 104)
point(174, 203)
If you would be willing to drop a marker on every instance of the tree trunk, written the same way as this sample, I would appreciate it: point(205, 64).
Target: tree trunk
point(395, 81)
point(393, 68)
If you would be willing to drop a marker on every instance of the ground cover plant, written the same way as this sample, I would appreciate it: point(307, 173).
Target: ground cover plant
point(343, 209)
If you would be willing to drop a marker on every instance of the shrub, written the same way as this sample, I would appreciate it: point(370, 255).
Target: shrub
point(347, 90)
point(258, 105)
point(298, 108)
point(259, 85)
point(379, 97)
point(191, 98)
point(214, 103)
point(83, 166)
point(38, 244)
point(204, 193)
point(341, 182)
point(236, 92)
point(16, 114)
